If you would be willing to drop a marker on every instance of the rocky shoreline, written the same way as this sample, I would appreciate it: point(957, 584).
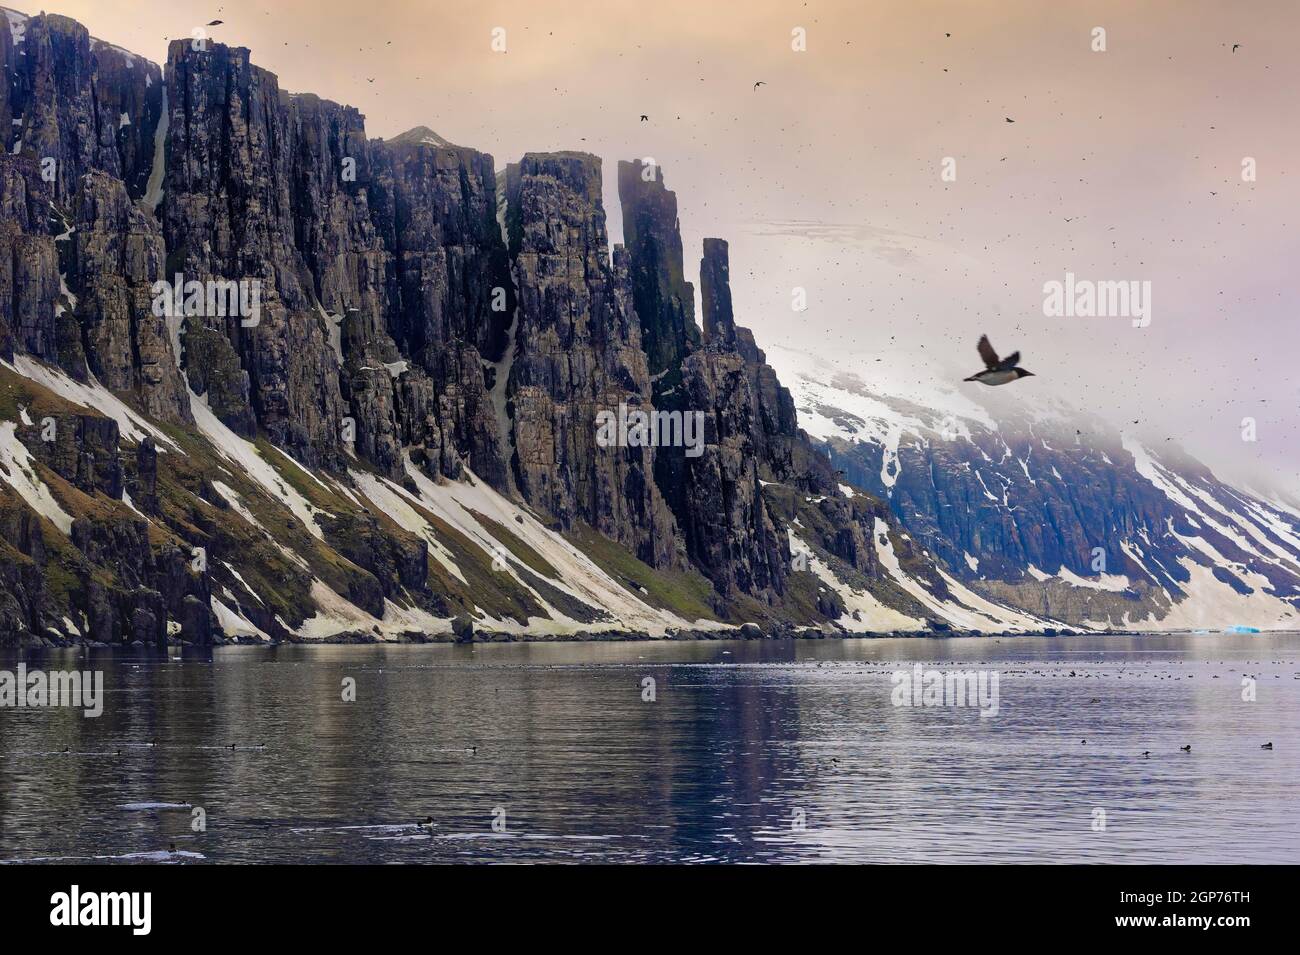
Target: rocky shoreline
point(746, 632)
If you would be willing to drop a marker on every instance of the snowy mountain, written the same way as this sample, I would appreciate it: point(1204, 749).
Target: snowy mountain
point(1048, 508)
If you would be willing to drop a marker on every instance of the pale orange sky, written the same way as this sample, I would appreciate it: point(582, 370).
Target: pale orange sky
point(828, 176)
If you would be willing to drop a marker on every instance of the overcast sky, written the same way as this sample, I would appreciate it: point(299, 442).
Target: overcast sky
point(828, 177)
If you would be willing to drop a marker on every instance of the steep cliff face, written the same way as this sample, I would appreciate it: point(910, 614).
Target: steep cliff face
point(424, 426)
point(115, 254)
point(730, 529)
point(29, 265)
point(383, 277)
point(664, 300)
point(13, 27)
point(242, 159)
point(578, 353)
point(665, 306)
point(452, 300)
point(77, 102)
point(783, 451)
point(751, 436)
point(715, 294)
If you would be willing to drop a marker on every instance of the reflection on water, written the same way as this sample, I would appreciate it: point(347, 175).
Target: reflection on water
point(742, 742)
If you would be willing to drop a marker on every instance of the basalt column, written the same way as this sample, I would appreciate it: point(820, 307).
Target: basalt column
point(578, 353)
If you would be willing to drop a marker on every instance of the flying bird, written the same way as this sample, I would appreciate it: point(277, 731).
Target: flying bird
point(645, 118)
point(1234, 47)
point(760, 83)
point(997, 371)
point(216, 23)
point(1010, 120)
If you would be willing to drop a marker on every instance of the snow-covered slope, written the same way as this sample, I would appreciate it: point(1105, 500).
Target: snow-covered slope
point(279, 552)
point(1047, 508)
point(993, 522)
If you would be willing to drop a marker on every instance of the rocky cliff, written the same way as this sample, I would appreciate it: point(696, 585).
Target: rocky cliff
point(578, 352)
point(76, 103)
point(265, 377)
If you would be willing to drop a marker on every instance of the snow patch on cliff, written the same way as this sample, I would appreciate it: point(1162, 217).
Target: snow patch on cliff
point(234, 624)
point(973, 612)
point(1213, 604)
point(385, 497)
point(246, 455)
point(94, 396)
point(231, 497)
point(153, 193)
point(18, 470)
point(17, 24)
point(578, 575)
point(863, 613)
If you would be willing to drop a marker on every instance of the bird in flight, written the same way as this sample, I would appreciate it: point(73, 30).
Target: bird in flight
point(1234, 47)
point(997, 371)
point(645, 118)
point(1009, 119)
point(760, 83)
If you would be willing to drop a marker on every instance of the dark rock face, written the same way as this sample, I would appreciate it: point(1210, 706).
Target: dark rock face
point(143, 484)
point(665, 305)
point(437, 212)
point(84, 104)
point(451, 299)
point(751, 434)
point(715, 294)
point(665, 301)
point(10, 51)
point(115, 256)
point(22, 589)
point(196, 622)
point(84, 451)
point(213, 371)
point(29, 266)
point(578, 354)
point(385, 284)
point(729, 532)
point(242, 159)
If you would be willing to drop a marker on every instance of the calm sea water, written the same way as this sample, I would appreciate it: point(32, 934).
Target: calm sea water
point(742, 741)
